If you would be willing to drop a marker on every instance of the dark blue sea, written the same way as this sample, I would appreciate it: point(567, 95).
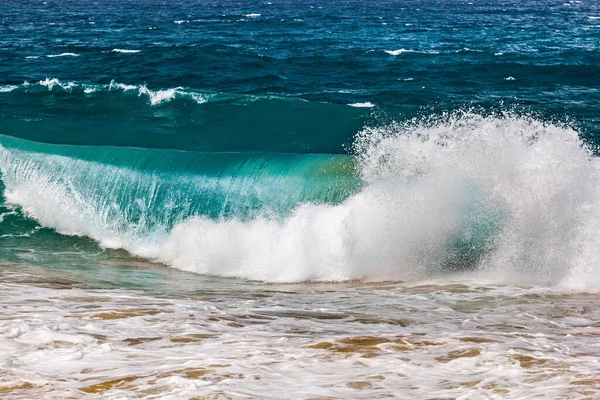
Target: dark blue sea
point(299, 199)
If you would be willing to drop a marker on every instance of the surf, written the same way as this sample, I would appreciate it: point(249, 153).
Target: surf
point(507, 197)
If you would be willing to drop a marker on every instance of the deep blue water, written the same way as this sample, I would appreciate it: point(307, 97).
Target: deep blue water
point(265, 99)
point(537, 56)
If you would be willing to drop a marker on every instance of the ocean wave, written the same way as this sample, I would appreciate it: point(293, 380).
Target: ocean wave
point(510, 197)
point(155, 97)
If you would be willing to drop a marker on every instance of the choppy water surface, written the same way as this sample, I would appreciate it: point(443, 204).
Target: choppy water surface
point(299, 200)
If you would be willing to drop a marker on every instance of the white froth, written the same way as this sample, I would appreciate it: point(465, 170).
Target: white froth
point(398, 52)
point(63, 55)
point(402, 51)
point(8, 88)
point(159, 96)
point(362, 105)
point(301, 341)
point(116, 85)
point(125, 51)
point(50, 83)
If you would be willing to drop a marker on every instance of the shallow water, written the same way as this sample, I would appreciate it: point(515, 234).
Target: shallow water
point(192, 336)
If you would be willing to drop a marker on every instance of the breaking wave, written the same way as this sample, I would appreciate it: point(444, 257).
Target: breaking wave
point(507, 198)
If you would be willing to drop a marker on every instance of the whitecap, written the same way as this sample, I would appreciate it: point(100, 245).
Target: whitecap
point(509, 78)
point(63, 55)
point(198, 98)
point(401, 51)
point(398, 52)
point(158, 96)
point(51, 82)
point(8, 88)
point(252, 15)
point(467, 49)
point(362, 105)
point(125, 51)
point(115, 85)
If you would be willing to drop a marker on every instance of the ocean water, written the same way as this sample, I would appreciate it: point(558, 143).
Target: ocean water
point(309, 199)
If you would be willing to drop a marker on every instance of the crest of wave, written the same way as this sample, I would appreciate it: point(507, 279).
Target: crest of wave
point(509, 198)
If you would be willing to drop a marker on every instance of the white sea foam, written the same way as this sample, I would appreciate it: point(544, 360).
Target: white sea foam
point(116, 85)
point(236, 339)
point(402, 51)
point(252, 15)
point(126, 51)
point(32, 57)
point(509, 78)
point(155, 97)
point(8, 88)
point(159, 96)
point(198, 98)
point(50, 83)
point(362, 105)
point(63, 55)
point(398, 52)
